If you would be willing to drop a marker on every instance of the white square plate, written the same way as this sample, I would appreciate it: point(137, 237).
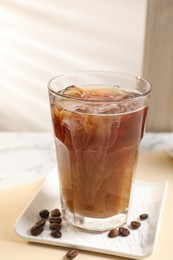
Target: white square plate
point(146, 197)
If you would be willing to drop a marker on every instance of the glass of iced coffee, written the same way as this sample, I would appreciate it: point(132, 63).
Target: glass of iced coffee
point(98, 121)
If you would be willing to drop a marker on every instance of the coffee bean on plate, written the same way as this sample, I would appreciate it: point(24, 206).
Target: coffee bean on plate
point(113, 233)
point(144, 216)
point(36, 230)
point(41, 222)
point(71, 254)
point(135, 224)
point(54, 226)
point(124, 232)
point(44, 213)
point(56, 233)
point(55, 213)
point(55, 220)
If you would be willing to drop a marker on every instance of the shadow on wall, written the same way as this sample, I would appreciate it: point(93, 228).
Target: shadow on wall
point(41, 39)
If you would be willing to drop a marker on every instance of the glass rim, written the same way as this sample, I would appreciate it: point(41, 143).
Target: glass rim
point(141, 96)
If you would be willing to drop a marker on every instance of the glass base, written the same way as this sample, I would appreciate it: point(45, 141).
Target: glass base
point(94, 224)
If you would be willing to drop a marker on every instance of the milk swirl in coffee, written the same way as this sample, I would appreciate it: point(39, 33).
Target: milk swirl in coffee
point(97, 145)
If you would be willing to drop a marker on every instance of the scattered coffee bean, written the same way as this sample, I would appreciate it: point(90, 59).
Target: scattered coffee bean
point(72, 253)
point(135, 224)
point(55, 213)
point(44, 213)
point(56, 233)
point(124, 232)
point(55, 223)
point(54, 226)
point(55, 220)
point(144, 216)
point(113, 233)
point(36, 230)
point(41, 222)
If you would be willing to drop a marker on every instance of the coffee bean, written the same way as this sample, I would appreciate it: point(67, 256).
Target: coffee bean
point(124, 232)
point(44, 213)
point(113, 233)
point(41, 222)
point(55, 213)
point(135, 224)
point(56, 233)
point(72, 253)
point(144, 216)
point(54, 226)
point(36, 230)
point(55, 220)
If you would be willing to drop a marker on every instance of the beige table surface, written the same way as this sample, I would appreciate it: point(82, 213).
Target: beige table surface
point(153, 166)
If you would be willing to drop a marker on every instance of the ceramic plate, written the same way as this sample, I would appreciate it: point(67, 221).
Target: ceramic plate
point(146, 197)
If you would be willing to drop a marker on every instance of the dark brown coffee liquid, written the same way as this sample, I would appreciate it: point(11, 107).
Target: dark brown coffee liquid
point(97, 151)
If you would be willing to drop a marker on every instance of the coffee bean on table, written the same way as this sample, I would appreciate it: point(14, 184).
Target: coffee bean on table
point(144, 216)
point(54, 226)
point(135, 224)
point(44, 213)
point(124, 232)
point(113, 233)
point(56, 233)
point(71, 254)
point(55, 220)
point(36, 230)
point(55, 213)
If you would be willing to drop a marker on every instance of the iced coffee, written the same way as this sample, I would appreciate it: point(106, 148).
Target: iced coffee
point(97, 133)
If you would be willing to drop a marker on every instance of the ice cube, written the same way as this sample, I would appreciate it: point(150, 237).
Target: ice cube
point(116, 124)
point(132, 95)
point(112, 109)
point(120, 96)
point(73, 91)
point(82, 109)
point(106, 109)
point(119, 91)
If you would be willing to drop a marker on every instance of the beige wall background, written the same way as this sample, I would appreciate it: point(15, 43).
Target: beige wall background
point(43, 38)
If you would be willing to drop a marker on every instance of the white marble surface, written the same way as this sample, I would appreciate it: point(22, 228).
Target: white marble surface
point(27, 157)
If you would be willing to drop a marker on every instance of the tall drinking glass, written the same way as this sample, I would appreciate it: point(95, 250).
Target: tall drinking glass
point(98, 121)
